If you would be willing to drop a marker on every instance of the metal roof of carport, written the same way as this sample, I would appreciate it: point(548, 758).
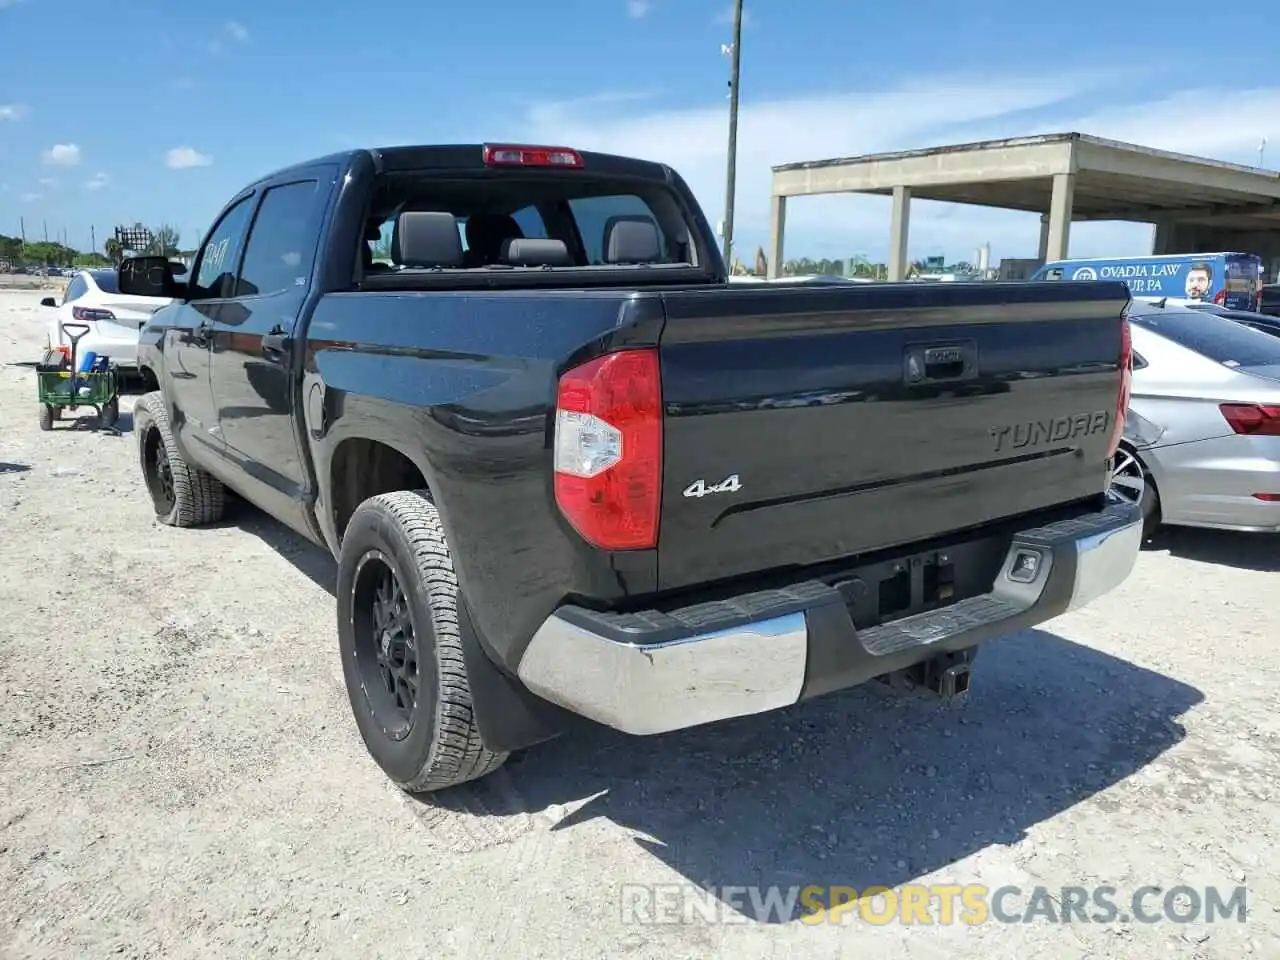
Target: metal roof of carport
point(1113, 180)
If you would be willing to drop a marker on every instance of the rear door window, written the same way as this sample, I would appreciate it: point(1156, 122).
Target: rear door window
point(76, 289)
point(282, 243)
point(1221, 340)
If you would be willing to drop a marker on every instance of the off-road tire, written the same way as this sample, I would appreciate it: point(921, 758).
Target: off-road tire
point(442, 747)
point(48, 414)
point(198, 497)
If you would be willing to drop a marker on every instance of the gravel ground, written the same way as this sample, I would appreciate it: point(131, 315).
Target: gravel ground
point(179, 775)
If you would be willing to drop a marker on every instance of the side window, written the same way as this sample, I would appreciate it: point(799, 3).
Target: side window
point(216, 265)
point(282, 243)
point(593, 213)
point(76, 289)
point(1054, 274)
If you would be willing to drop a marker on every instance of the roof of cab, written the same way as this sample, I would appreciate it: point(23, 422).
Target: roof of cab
point(467, 156)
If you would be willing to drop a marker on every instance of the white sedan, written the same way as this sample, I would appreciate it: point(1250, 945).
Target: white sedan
point(93, 300)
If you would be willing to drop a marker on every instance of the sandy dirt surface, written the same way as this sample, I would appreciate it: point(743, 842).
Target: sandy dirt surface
point(180, 776)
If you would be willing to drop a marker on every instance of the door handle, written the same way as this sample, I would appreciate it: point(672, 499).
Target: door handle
point(941, 363)
point(275, 345)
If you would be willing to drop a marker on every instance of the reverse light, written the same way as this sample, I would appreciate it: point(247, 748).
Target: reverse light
point(1126, 386)
point(608, 449)
point(91, 314)
point(514, 155)
point(1252, 419)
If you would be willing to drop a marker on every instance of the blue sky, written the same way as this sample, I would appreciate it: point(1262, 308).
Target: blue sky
point(160, 113)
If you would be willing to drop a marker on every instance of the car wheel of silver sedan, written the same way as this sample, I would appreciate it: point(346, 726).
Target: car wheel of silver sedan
point(1131, 483)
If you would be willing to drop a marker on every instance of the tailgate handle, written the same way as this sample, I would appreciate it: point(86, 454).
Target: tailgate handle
point(941, 363)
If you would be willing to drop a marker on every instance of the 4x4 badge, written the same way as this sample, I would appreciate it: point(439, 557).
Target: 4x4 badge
point(699, 488)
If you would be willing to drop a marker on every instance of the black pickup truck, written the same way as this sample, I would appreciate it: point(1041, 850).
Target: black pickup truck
point(567, 469)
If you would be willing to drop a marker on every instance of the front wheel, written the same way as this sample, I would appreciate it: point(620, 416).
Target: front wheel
point(401, 648)
point(183, 495)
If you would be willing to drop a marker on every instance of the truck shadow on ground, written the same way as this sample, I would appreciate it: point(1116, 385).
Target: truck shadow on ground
point(859, 788)
point(1244, 551)
point(869, 786)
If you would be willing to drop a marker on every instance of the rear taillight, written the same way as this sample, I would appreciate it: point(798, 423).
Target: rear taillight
point(514, 155)
point(91, 315)
point(1253, 419)
point(1126, 386)
point(608, 449)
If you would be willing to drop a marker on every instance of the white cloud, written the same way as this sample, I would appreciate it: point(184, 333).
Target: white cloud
point(928, 112)
point(29, 197)
point(62, 155)
point(232, 32)
point(12, 111)
point(184, 158)
point(97, 182)
point(638, 9)
point(48, 182)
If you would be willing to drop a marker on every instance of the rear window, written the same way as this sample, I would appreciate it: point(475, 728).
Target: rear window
point(1219, 339)
point(578, 210)
point(106, 280)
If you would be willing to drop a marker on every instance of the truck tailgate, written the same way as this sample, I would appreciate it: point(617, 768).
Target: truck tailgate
point(809, 425)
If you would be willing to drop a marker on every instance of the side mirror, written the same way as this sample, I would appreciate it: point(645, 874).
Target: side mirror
point(148, 277)
point(178, 267)
point(48, 302)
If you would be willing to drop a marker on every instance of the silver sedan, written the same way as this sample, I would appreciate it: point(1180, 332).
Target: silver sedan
point(1201, 443)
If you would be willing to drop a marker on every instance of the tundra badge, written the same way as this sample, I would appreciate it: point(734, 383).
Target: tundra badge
point(699, 488)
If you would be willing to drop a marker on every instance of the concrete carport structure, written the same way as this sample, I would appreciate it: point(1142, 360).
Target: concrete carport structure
point(1196, 205)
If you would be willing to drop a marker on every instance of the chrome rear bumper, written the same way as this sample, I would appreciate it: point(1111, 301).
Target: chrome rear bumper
point(654, 672)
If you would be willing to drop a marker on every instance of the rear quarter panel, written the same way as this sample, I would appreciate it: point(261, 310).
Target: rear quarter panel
point(463, 384)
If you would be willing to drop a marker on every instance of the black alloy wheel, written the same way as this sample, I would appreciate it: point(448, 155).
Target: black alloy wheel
point(386, 642)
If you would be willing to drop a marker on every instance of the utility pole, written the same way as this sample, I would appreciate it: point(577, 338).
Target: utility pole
point(45, 224)
point(93, 239)
point(734, 51)
point(1262, 153)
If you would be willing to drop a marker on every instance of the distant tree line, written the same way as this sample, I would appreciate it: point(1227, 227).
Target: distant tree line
point(165, 241)
point(855, 266)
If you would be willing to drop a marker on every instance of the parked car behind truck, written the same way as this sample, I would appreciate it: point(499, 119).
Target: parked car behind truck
point(556, 457)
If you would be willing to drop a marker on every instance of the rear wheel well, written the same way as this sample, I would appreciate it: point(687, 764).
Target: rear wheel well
point(365, 468)
point(149, 379)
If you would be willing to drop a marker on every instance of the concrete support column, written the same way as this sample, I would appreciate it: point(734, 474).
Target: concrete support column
point(899, 230)
point(1043, 249)
point(1060, 204)
point(777, 233)
point(1162, 237)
